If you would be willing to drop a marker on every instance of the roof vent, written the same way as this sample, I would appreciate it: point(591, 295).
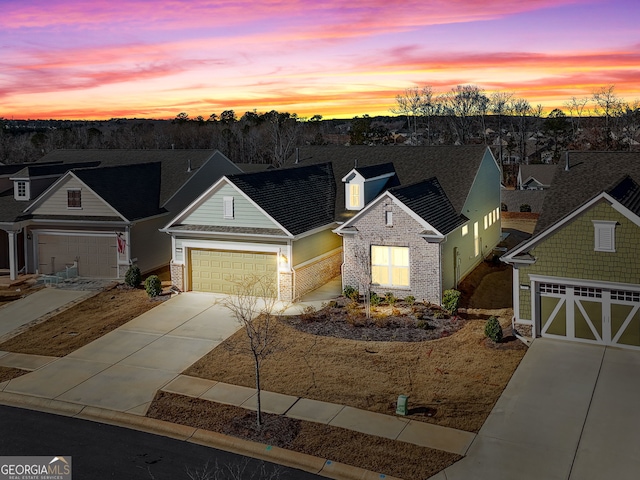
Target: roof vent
point(566, 162)
point(189, 165)
point(297, 155)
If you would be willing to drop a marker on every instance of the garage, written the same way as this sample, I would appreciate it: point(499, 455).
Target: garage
point(608, 316)
point(97, 254)
point(218, 271)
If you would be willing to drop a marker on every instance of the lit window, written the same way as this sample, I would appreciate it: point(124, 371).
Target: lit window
point(476, 239)
point(354, 195)
point(390, 266)
point(498, 213)
point(227, 207)
point(605, 236)
point(388, 219)
point(465, 230)
point(74, 199)
point(486, 222)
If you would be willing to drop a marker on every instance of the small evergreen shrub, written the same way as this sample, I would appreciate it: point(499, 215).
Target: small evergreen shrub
point(374, 299)
point(451, 301)
point(133, 277)
point(493, 330)
point(410, 299)
point(438, 314)
point(525, 207)
point(390, 298)
point(351, 293)
point(153, 286)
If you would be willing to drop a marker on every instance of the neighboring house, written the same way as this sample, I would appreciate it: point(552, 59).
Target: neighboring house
point(535, 177)
point(98, 209)
point(419, 218)
point(578, 277)
point(513, 201)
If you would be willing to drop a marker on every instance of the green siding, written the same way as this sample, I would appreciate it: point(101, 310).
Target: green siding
point(570, 253)
point(245, 213)
point(314, 245)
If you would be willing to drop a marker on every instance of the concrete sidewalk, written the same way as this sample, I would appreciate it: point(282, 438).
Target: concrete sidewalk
point(371, 423)
point(25, 310)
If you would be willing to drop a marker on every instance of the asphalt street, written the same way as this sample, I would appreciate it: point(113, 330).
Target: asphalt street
point(100, 451)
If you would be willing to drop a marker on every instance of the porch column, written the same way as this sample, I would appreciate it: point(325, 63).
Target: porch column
point(13, 255)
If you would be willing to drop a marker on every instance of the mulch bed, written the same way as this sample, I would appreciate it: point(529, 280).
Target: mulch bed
point(400, 322)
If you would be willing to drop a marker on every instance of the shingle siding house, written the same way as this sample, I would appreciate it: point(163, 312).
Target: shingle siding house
point(578, 277)
point(415, 220)
point(98, 209)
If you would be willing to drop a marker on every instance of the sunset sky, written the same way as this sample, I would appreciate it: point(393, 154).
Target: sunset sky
point(98, 59)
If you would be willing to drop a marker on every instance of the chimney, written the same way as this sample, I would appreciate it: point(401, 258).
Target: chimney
point(566, 163)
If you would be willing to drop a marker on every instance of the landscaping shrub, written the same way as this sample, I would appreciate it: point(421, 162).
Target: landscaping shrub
point(374, 299)
point(451, 301)
point(525, 207)
point(308, 313)
point(390, 298)
point(410, 299)
point(438, 314)
point(133, 277)
point(351, 293)
point(153, 286)
point(493, 330)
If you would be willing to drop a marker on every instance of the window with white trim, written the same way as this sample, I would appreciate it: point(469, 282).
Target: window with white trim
point(390, 266)
point(227, 208)
point(476, 239)
point(21, 190)
point(354, 195)
point(486, 222)
point(465, 230)
point(74, 198)
point(605, 235)
point(388, 219)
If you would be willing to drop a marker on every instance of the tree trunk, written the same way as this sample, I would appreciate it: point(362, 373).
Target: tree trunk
point(259, 404)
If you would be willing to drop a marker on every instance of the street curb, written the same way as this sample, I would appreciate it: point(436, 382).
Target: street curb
point(281, 456)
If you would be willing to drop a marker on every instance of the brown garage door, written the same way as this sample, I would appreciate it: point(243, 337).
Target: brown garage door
point(96, 254)
point(219, 271)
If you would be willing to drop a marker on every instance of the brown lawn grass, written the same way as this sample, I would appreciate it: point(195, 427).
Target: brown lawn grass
point(82, 323)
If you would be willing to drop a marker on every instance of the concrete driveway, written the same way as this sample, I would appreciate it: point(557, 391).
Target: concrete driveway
point(122, 370)
point(570, 411)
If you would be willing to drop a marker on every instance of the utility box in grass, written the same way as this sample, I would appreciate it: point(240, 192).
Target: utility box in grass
point(402, 407)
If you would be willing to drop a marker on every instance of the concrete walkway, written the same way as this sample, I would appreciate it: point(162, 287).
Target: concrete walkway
point(570, 412)
point(371, 423)
point(122, 370)
point(26, 310)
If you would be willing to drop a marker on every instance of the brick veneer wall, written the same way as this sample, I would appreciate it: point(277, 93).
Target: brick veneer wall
point(316, 273)
point(286, 286)
point(424, 257)
point(177, 275)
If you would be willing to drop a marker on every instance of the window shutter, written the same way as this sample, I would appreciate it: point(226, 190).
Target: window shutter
point(227, 207)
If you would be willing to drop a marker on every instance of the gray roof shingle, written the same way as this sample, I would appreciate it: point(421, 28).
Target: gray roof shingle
point(589, 174)
point(455, 167)
point(428, 200)
point(299, 199)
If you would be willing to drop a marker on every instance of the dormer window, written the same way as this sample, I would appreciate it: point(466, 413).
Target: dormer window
point(74, 198)
point(21, 190)
point(354, 195)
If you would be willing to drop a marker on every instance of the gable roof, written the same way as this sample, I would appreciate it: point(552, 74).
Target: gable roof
point(299, 199)
point(373, 171)
point(589, 174)
point(627, 192)
point(428, 200)
point(125, 187)
point(455, 167)
point(542, 173)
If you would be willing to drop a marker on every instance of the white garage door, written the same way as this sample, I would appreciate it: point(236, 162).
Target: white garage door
point(606, 316)
point(97, 255)
point(219, 271)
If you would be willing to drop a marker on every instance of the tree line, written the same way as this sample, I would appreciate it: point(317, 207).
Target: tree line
point(465, 114)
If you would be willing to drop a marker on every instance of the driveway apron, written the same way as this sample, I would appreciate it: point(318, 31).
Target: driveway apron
point(123, 370)
point(568, 413)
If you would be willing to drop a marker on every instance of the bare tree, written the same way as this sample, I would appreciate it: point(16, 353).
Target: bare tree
point(608, 106)
point(409, 104)
point(576, 108)
point(428, 109)
point(254, 305)
point(630, 123)
point(463, 104)
point(500, 105)
point(521, 110)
